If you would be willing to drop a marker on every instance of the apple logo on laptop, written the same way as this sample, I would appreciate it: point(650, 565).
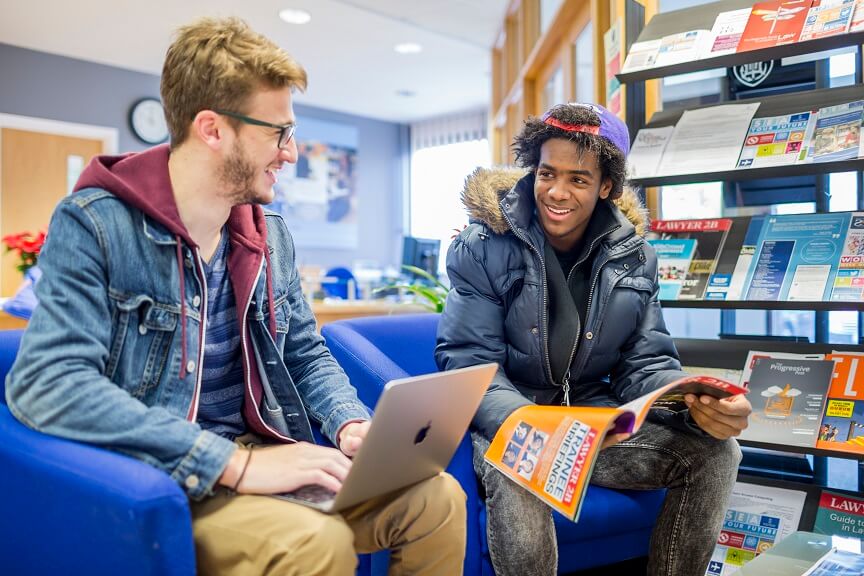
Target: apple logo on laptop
point(422, 433)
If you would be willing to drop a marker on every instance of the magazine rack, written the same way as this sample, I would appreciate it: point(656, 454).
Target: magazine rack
point(731, 354)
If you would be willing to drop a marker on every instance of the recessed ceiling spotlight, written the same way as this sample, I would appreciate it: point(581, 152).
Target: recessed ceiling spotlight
point(406, 93)
point(292, 16)
point(408, 48)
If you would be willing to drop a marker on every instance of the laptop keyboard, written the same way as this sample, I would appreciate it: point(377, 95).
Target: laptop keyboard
point(312, 493)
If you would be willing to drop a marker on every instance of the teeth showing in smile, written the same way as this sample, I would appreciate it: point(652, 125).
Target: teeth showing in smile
point(560, 211)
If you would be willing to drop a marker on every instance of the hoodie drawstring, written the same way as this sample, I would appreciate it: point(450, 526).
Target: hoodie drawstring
point(182, 308)
point(271, 309)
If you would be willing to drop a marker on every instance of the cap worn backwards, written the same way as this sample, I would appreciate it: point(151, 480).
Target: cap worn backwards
point(611, 127)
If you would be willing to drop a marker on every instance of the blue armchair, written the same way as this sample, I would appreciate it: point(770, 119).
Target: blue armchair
point(614, 525)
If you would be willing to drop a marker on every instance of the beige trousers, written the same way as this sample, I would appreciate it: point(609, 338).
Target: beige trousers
point(423, 525)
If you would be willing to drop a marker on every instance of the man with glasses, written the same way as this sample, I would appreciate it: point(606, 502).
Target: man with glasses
point(172, 328)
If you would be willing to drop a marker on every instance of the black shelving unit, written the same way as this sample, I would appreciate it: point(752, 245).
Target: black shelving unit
point(764, 305)
point(702, 18)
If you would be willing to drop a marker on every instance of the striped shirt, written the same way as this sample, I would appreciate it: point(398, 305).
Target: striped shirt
point(221, 401)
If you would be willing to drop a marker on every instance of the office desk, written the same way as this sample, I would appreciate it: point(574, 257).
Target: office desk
point(330, 311)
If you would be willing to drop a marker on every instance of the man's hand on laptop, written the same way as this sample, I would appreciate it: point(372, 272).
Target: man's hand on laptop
point(351, 437)
point(285, 468)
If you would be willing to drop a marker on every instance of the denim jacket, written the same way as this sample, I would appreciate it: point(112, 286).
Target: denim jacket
point(102, 360)
point(497, 309)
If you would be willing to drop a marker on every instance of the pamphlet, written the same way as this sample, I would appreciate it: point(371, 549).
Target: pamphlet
point(746, 251)
point(842, 427)
point(641, 55)
point(647, 151)
point(838, 563)
point(788, 397)
point(757, 518)
point(774, 23)
point(551, 450)
point(840, 515)
point(827, 18)
point(777, 140)
point(797, 257)
point(857, 24)
point(837, 133)
point(849, 283)
point(727, 31)
point(707, 139)
point(681, 47)
point(673, 261)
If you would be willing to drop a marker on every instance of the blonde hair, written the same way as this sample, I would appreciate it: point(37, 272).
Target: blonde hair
point(217, 64)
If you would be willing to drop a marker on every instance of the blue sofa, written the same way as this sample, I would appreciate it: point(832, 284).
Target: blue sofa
point(614, 525)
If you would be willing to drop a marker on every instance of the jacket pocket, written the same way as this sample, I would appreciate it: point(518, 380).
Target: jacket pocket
point(141, 345)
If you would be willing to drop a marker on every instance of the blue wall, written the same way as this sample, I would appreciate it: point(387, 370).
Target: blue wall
point(59, 88)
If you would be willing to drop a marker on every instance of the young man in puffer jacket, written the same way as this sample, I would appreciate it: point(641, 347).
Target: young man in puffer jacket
point(554, 282)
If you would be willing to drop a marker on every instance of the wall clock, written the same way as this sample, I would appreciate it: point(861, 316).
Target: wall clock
point(147, 119)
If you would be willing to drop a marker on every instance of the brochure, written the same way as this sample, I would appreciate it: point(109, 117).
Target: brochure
point(857, 24)
point(797, 257)
point(827, 18)
point(837, 133)
point(757, 518)
point(746, 252)
point(840, 515)
point(777, 140)
point(647, 151)
point(720, 280)
point(849, 283)
point(641, 55)
point(727, 31)
point(673, 261)
point(551, 450)
point(788, 397)
point(710, 236)
point(838, 563)
point(681, 47)
point(842, 427)
point(774, 23)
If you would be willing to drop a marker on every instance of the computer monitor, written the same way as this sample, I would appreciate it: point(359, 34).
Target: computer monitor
point(422, 253)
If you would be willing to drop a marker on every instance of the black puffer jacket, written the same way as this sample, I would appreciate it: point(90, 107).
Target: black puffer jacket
point(497, 308)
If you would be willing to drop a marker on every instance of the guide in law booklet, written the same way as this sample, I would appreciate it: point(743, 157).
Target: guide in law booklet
point(840, 515)
point(551, 450)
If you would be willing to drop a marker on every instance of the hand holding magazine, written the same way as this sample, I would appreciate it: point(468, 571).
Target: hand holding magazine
point(551, 450)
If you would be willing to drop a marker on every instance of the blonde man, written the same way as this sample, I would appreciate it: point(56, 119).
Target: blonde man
point(163, 280)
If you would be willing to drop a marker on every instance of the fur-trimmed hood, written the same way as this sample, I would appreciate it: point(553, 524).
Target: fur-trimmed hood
point(485, 188)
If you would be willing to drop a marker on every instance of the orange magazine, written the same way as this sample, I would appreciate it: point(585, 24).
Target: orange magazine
point(774, 23)
point(551, 450)
point(842, 425)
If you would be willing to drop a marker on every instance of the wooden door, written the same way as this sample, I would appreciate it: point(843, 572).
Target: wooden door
point(34, 176)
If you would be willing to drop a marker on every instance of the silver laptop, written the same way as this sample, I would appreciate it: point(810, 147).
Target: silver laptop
point(417, 426)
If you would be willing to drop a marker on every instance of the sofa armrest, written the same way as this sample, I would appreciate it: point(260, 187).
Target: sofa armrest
point(73, 508)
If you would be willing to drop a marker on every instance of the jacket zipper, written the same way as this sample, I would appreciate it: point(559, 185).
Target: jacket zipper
point(196, 394)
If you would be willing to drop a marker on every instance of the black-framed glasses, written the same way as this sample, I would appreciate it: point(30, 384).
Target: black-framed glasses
point(286, 131)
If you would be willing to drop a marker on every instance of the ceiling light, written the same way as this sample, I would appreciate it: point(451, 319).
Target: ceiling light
point(408, 48)
point(292, 16)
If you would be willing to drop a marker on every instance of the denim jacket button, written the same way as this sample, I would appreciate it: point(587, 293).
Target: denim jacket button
point(192, 481)
point(190, 366)
point(142, 329)
point(196, 301)
point(589, 335)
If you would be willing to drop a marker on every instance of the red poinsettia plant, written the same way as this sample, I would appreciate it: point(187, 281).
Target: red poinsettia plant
point(27, 245)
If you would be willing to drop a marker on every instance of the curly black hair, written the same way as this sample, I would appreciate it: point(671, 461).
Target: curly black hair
point(535, 132)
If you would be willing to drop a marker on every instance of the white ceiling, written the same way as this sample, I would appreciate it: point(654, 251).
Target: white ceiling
point(347, 48)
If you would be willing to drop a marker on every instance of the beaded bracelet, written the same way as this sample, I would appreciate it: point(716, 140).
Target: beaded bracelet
point(245, 466)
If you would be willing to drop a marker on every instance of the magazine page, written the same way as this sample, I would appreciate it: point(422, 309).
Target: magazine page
point(641, 55)
point(647, 151)
point(827, 18)
point(707, 139)
point(797, 257)
point(776, 140)
point(849, 283)
point(788, 397)
point(842, 427)
point(837, 134)
point(726, 32)
point(757, 518)
point(550, 451)
point(840, 515)
point(673, 261)
point(774, 23)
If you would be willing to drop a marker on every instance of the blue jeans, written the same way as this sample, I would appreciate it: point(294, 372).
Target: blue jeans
point(697, 471)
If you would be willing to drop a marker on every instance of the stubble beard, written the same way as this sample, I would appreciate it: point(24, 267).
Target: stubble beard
point(237, 174)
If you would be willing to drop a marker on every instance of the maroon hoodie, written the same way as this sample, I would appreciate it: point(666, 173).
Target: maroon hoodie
point(141, 180)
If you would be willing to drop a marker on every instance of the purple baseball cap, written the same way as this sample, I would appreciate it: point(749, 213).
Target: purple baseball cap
point(611, 127)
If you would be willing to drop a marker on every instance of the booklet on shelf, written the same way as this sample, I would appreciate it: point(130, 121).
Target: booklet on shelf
point(757, 518)
point(681, 47)
point(797, 257)
point(857, 24)
point(641, 55)
point(726, 32)
point(788, 397)
point(840, 515)
point(777, 140)
point(741, 255)
point(837, 134)
point(646, 151)
point(754, 355)
point(774, 23)
point(838, 563)
point(827, 18)
point(551, 450)
point(673, 262)
point(849, 282)
point(842, 427)
point(710, 236)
